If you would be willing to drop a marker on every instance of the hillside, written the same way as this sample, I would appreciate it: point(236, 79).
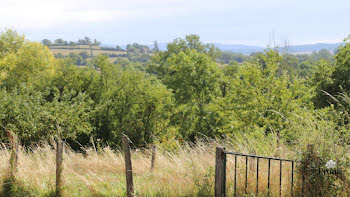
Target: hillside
point(81, 54)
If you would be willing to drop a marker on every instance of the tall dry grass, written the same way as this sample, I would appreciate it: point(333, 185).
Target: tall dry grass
point(187, 170)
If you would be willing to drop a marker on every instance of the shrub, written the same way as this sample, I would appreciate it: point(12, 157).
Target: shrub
point(321, 178)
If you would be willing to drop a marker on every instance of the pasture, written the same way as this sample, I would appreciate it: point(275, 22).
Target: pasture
point(65, 51)
point(185, 170)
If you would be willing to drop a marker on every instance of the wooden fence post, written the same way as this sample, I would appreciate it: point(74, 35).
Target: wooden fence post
point(59, 168)
point(14, 157)
point(153, 160)
point(220, 172)
point(14, 153)
point(128, 167)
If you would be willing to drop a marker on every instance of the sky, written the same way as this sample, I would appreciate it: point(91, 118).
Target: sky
point(249, 22)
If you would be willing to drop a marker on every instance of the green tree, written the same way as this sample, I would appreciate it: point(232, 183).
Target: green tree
point(130, 103)
point(30, 64)
point(192, 76)
point(59, 41)
point(155, 46)
point(322, 54)
point(258, 98)
point(188, 68)
point(71, 43)
point(333, 80)
point(77, 59)
point(10, 42)
point(70, 78)
point(84, 55)
point(118, 48)
point(159, 64)
point(96, 43)
point(87, 40)
point(46, 42)
point(228, 56)
point(26, 112)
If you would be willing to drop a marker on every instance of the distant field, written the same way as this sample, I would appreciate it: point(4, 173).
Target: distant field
point(65, 51)
point(75, 47)
point(302, 53)
point(111, 59)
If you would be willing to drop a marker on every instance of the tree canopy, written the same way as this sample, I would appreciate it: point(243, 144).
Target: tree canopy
point(185, 92)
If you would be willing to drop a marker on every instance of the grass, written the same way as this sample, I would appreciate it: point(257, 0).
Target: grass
point(111, 59)
point(180, 170)
point(187, 171)
point(263, 177)
point(66, 52)
point(76, 47)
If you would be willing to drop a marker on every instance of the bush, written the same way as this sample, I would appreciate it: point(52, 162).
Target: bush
point(15, 188)
point(321, 178)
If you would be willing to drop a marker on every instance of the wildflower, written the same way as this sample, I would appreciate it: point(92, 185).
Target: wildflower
point(331, 164)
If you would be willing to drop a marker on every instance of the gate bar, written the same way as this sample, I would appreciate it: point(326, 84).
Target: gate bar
point(257, 175)
point(235, 188)
point(246, 174)
point(268, 177)
point(256, 156)
point(280, 177)
point(291, 187)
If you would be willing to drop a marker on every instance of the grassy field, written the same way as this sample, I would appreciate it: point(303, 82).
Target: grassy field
point(186, 170)
point(111, 59)
point(76, 47)
point(66, 52)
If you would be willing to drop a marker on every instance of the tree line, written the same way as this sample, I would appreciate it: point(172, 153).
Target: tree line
point(61, 42)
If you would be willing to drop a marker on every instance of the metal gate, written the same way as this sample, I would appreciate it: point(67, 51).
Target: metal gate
point(220, 172)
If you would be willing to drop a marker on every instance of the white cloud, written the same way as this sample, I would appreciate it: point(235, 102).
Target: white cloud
point(35, 14)
point(224, 20)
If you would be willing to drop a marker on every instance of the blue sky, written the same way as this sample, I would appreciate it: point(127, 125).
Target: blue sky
point(250, 22)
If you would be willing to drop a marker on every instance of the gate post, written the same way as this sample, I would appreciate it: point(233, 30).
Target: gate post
point(220, 172)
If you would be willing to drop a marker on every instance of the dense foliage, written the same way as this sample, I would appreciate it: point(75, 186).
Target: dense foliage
point(182, 93)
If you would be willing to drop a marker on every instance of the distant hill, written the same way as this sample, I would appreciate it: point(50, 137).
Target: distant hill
point(247, 49)
point(313, 47)
point(307, 48)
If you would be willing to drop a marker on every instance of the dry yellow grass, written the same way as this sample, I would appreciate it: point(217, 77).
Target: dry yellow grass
point(189, 171)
